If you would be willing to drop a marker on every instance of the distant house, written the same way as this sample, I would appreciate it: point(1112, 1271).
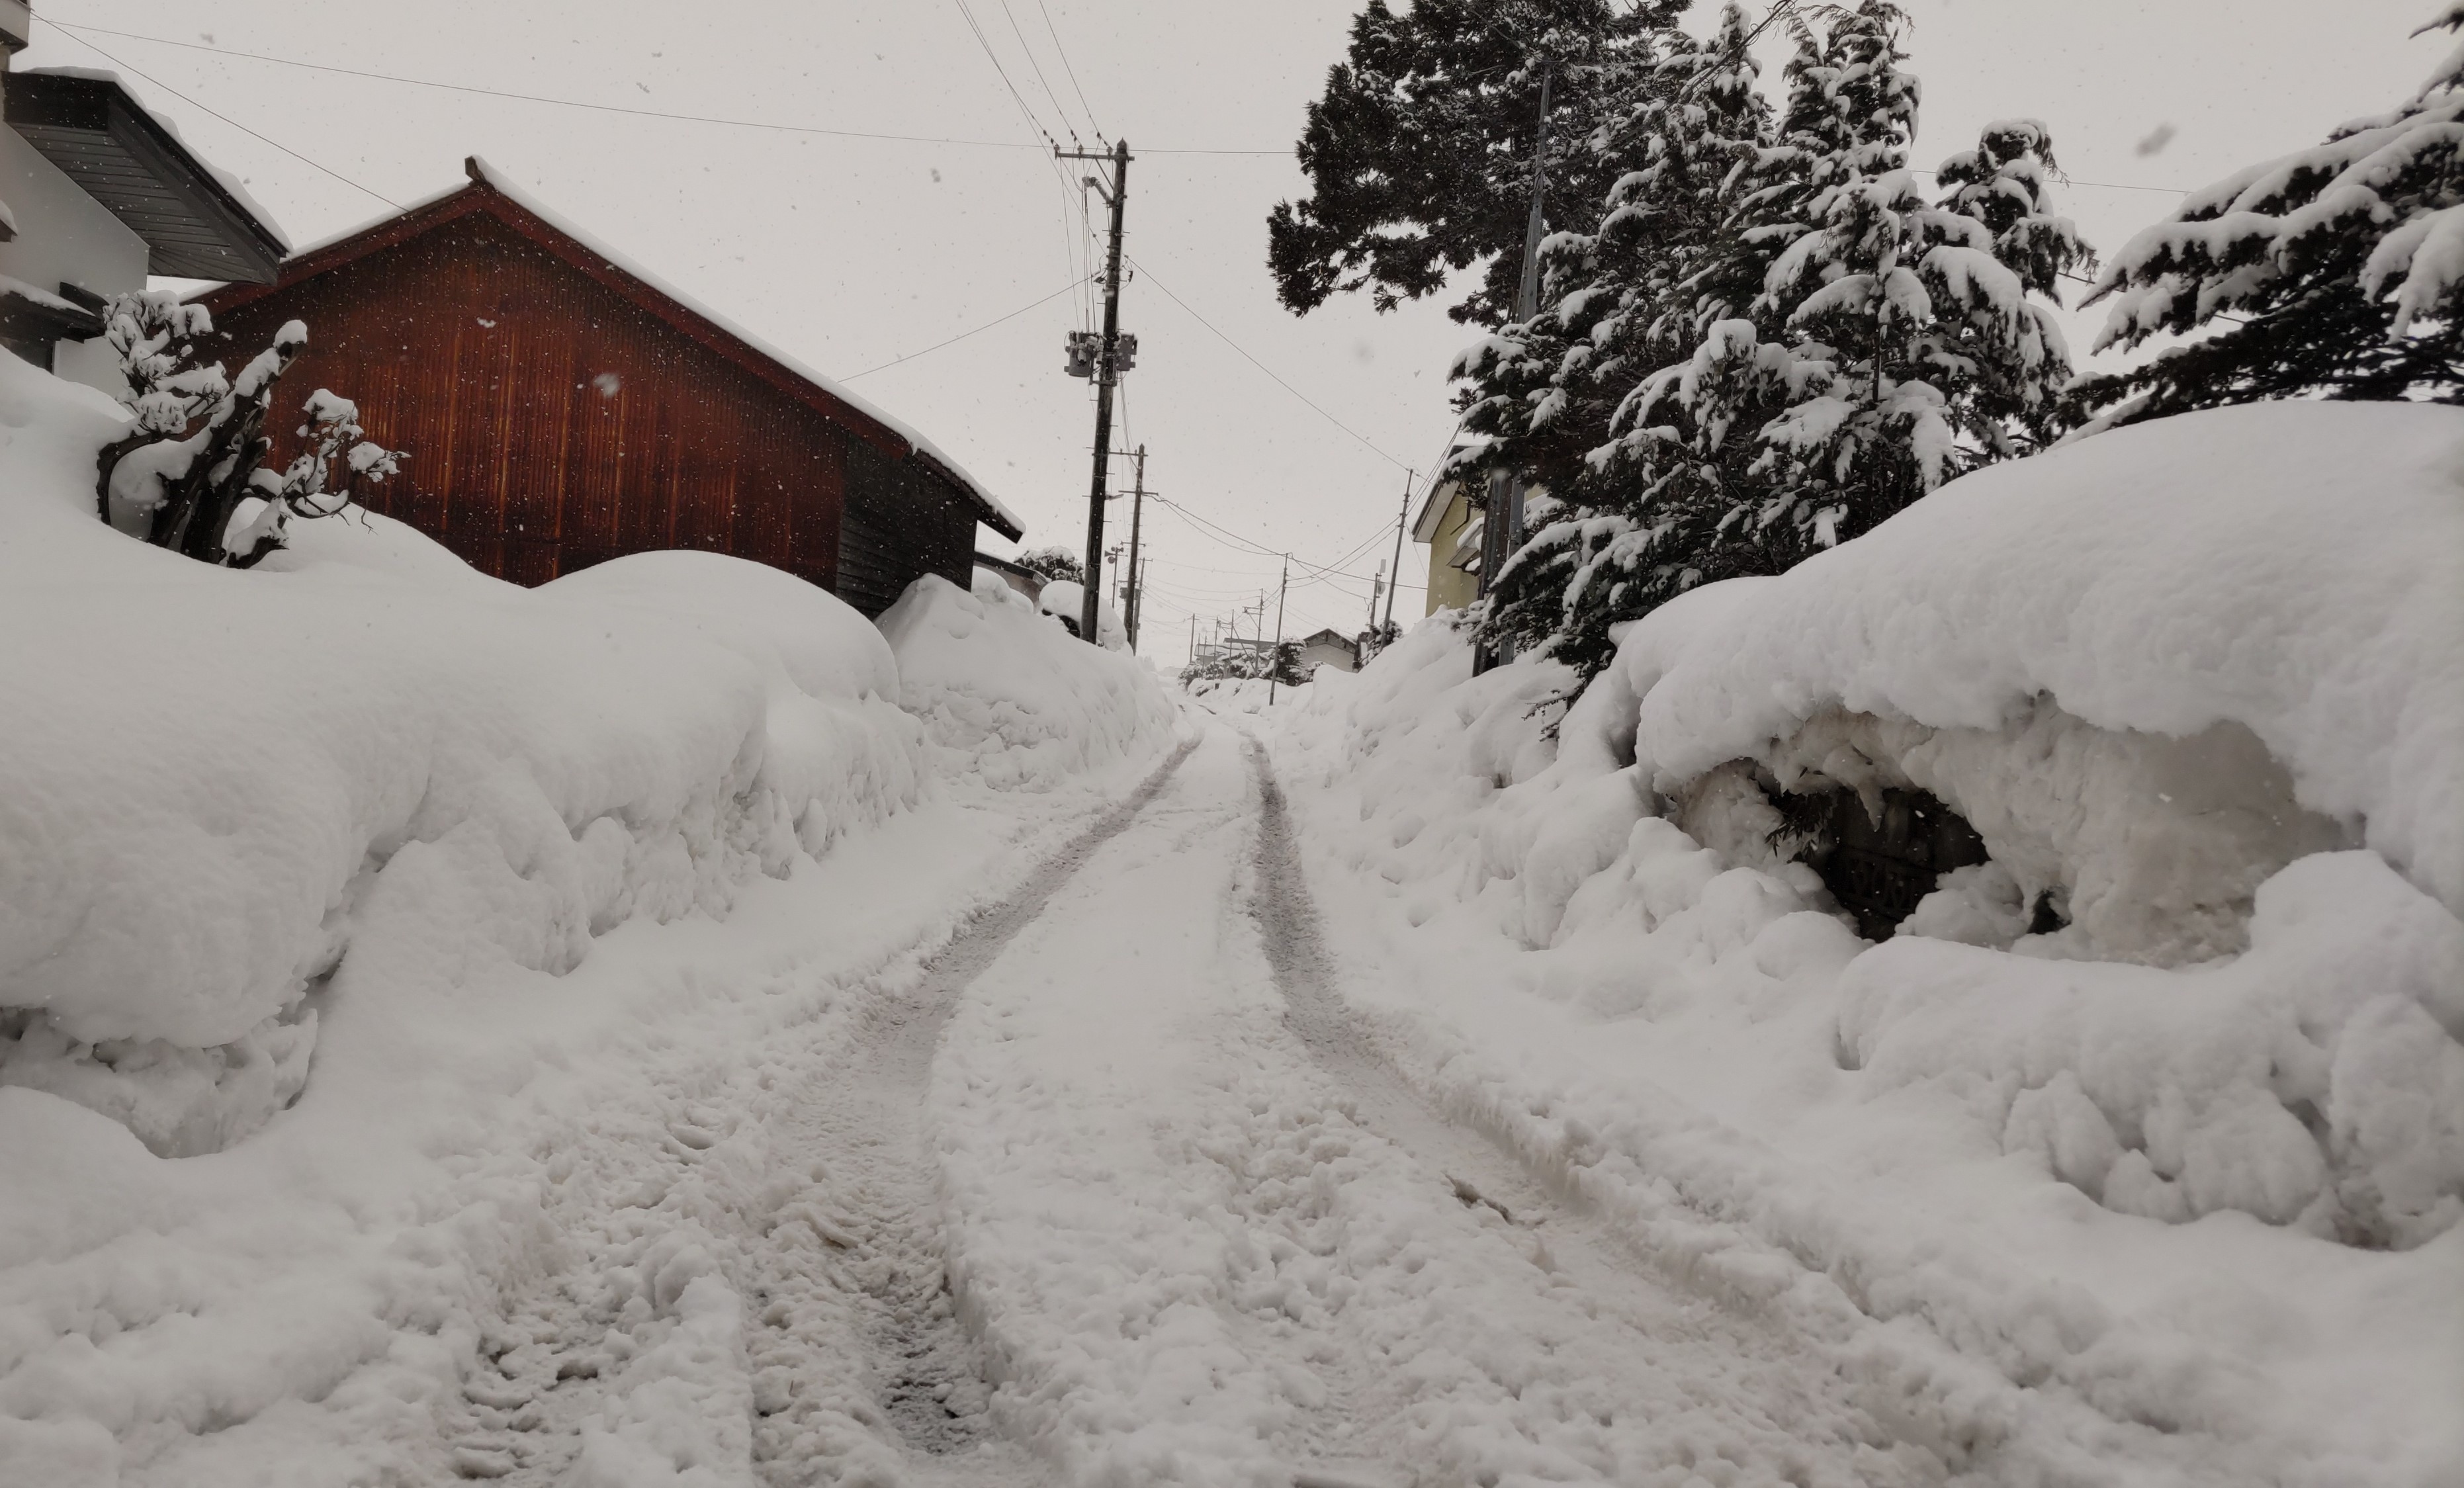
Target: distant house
point(1450, 524)
point(96, 193)
point(561, 407)
point(1328, 649)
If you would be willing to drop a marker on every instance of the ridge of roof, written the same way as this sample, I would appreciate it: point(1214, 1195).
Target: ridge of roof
point(484, 182)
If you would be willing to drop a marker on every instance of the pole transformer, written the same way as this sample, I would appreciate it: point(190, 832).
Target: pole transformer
point(1112, 358)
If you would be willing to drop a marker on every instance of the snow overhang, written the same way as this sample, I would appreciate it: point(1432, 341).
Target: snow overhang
point(194, 224)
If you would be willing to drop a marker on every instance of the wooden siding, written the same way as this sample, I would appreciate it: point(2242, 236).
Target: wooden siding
point(900, 524)
point(552, 424)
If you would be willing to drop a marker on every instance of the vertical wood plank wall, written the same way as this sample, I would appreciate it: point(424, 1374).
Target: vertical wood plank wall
point(576, 427)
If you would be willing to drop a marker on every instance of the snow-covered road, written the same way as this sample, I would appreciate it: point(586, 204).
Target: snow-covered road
point(1121, 1192)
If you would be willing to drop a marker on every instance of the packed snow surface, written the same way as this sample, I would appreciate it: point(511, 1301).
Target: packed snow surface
point(2196, 1157)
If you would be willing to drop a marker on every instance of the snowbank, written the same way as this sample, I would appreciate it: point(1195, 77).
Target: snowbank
point(2294, 569)
point(1009, 698)
point(2198, 1154)
point(515, 867)
point(368, 771)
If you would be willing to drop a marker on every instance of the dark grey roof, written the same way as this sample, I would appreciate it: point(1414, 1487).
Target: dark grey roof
point(124, 158)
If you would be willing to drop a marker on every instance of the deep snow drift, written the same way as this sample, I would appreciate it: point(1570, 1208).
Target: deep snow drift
point(359, 887)
point(2198, 1154)
point(1002, 700)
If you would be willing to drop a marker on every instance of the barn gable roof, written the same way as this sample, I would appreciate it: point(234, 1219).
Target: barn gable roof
point(487, 194)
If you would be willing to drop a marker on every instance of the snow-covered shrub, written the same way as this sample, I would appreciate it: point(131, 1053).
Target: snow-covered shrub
point(1010, 698)
point(371, 779)
point(1280, 662)
point(187, 476)
point(1064, 599)
point(1053, 564)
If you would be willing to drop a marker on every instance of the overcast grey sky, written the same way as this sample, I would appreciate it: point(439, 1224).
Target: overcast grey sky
point(852, 252)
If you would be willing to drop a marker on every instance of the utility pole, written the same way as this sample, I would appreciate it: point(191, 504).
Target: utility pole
point(1109, 360)
point(1376, 587)
point(1402, 523)
point(1137, 577)
point(1275, 657)
point(1193, 640)
point(1501, 525)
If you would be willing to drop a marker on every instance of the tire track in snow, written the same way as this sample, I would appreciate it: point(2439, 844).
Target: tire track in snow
point(876, 1203)
point(799, 1182)
point(1670, 1347)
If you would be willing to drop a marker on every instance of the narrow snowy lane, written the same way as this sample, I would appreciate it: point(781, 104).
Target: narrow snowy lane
point(1121, 1189)
point(1205, 1235)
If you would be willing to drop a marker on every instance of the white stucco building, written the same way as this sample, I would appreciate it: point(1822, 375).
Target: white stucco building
point(98, 194)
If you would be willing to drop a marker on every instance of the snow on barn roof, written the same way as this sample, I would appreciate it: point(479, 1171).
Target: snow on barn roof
point(677, 308)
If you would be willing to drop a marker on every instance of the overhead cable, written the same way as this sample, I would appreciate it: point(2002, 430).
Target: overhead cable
point(961, 336)
point(224, 117)
point(1063, 52)
point(1261, 367)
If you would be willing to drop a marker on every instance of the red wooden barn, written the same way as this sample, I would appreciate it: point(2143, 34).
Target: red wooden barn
point(561, 409)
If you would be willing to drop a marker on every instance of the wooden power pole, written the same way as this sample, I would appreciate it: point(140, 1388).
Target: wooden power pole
point(1402, 524)
point(1137, 594)
point(1275, 657)
point(1107, 365)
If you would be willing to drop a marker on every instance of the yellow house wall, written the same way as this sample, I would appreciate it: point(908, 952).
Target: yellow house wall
point(1449, 586)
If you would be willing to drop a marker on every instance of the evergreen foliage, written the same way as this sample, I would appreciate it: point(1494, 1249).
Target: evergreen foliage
point(1419, 154)
point(2333, 272)
point(1775, 339)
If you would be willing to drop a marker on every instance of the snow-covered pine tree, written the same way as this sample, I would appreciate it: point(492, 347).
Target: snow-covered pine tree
point(1839, 346)
point(1905, 336)
point(1637, 295)
point(2337, 270)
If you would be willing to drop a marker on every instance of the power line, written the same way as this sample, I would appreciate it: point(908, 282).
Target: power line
point(1042, 81)
point(530, 97)
point(961, 336)
point(735, 123)
point(1226, 535)
point(1263, 367)
point(985, 42)
point(1063, 52)
point(224, 117)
